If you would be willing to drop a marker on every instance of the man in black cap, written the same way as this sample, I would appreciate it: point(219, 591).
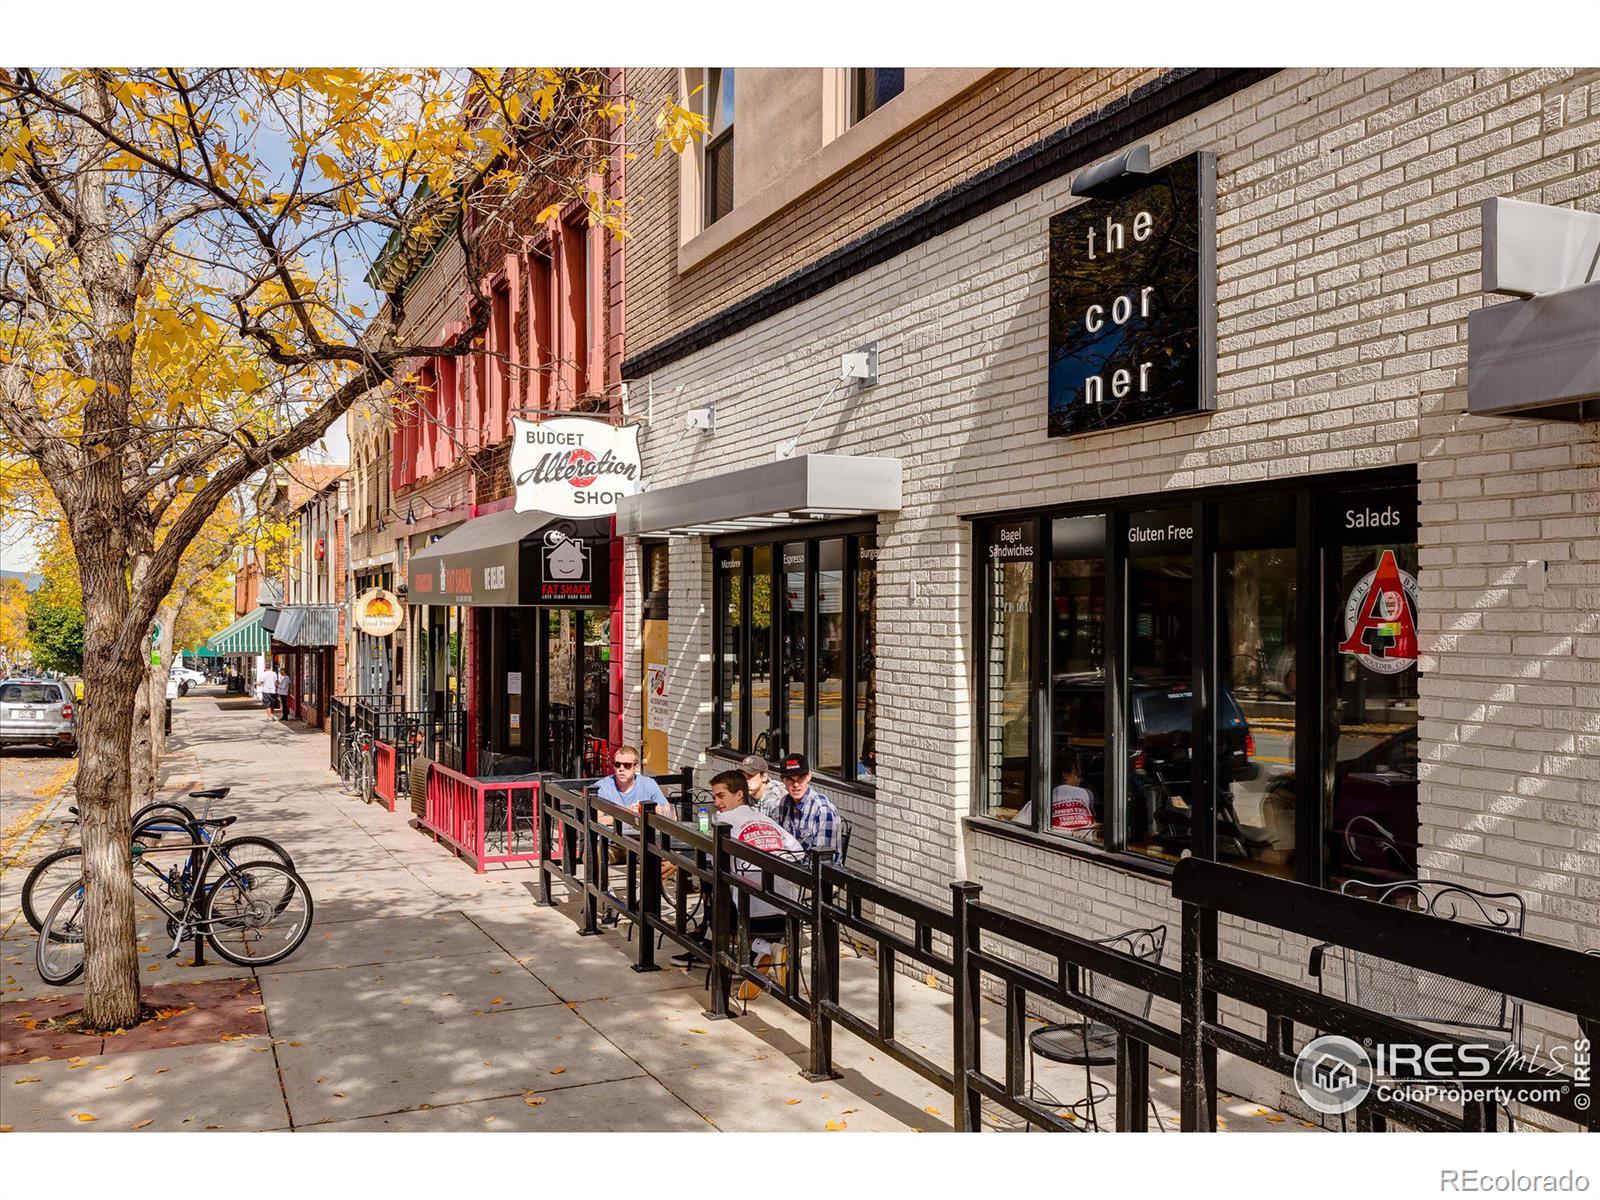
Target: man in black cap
point(766, 793)
point(807, 813)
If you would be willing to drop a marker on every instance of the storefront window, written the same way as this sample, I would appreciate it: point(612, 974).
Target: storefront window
point(795, 644)
point(596, 627)
point(808, 677)
point(730, 640)
point(1372, 746)
point(1233, 676)
point(831, 649)
point(1160, 667)
point(1008, 669)
point(1077, 679)
point(1258, 632)
point(763, 712)
point(866, 616)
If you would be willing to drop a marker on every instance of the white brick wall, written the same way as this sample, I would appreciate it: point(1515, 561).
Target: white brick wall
point(1348, 231)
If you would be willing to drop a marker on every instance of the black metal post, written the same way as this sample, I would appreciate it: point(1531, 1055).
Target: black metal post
point(591, 871)
point(886, 960)
point(1016, 1037)
point(649, 893)
point(965, 980)
point(719, 924)
point(1199, 1059)
point(544, 849)
point(1133, 1085)
point(824, 935)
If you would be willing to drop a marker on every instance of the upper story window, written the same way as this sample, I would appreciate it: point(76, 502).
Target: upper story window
point(873, 87)
point(719, 143)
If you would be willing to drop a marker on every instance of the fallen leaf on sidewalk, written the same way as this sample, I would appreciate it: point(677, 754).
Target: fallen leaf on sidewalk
point(791, 1102)
point(835, 1126)
point(931, 1111)
point(5, 1128)
point(35, 1079)
point(531, 1100)
point(41, 1058)
point(697, 1031)
point(931, 979)
point(143, 1123)
point(1275, 1118)
point(153, 967)
point(558, 1070)
point(498, 1000)
point(162, 1070)
point(86, 1116)
point(848, 1111)
point(213, 1126)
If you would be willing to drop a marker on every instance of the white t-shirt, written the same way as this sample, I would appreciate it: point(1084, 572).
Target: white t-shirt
point(749, 828)
point(1070, 808)
point(267, 685)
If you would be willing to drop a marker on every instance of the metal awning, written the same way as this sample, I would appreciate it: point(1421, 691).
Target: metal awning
point(244, 636)
point(309, 625)
point(812, 487)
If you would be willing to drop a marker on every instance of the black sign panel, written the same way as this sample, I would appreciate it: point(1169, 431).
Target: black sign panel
point(567, 565)
point(1371, 517)
point(1132, 302)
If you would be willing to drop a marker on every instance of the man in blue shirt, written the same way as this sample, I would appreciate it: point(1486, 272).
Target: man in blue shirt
point(807, 813)
point(626, 787)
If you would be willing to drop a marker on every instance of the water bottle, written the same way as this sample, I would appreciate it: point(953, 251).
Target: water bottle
point(702, 816)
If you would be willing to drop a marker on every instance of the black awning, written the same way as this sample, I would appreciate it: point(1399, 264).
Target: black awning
point(507, 559)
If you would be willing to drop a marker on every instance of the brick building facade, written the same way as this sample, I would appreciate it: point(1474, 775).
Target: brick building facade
point(1347, 232)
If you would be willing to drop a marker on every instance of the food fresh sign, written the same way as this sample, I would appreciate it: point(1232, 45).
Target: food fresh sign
point(573, 466)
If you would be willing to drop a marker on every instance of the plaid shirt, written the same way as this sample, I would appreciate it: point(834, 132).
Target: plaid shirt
point(813, 821)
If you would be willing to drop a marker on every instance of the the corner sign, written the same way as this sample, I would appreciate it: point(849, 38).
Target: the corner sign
point(573, 466)
point(1132, 302)
point(378, 612)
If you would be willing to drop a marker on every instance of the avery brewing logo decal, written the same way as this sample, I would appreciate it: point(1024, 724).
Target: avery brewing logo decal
point(573, 466)
point(1380, 619)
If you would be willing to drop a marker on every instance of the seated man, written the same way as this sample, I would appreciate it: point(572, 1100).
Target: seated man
point(766, 793)
point(1071, 804)
point(626, 788)
point(807, 813)
point(731, 794)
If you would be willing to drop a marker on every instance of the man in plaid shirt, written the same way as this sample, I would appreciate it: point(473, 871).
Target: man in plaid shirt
point(805, 812)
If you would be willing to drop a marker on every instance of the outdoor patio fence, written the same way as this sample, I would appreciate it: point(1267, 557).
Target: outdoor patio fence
point(675, 884)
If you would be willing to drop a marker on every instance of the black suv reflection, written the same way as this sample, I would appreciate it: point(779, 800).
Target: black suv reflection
point(1160, 764)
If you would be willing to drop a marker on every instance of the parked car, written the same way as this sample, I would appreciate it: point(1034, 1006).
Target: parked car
point(38, 712)
point(186, 679)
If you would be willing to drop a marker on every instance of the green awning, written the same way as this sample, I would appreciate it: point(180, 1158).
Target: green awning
point(244, 636)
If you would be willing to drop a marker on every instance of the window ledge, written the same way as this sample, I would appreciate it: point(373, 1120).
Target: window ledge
point(727, 759)
point(1131, 864)
point(905, 110)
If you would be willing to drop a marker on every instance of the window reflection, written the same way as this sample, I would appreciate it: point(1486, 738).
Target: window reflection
point(1255, 721)
point(763, 714)
point(1078, 684)
point(730, 731)
point(1160, 654)
point(830, 657)
point(794, 647)
point(1372, 817)
point(1008, 669)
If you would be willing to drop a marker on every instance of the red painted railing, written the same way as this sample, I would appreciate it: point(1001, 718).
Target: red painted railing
point(384, 774)
point(483, 820)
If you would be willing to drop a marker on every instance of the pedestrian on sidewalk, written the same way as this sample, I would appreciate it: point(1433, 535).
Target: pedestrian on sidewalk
point(267, 689)
point(283, 695)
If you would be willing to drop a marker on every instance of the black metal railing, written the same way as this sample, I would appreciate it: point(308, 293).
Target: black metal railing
point(695, 889)
point(1565, 981)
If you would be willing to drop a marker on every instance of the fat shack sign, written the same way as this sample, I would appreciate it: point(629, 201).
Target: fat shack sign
point(1133, 302)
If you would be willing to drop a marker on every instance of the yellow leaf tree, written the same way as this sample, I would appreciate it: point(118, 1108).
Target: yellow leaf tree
point(183, 255)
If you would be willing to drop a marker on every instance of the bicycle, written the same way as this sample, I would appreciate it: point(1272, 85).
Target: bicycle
point(151, 826)
point(355, 762)
point(254, 915)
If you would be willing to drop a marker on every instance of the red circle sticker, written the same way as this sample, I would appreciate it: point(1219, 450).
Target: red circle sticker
point(578, 456)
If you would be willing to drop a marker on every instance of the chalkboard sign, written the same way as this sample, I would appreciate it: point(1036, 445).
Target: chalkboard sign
point(1133, 302)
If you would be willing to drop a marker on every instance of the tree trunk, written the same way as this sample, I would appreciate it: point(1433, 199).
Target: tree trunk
point(111, 975)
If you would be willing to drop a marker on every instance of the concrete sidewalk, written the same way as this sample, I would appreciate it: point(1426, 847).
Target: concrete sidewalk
point(430, 997)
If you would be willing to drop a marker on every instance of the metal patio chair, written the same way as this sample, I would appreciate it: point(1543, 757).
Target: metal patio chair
point(1086, 1043)
point(1420, 997)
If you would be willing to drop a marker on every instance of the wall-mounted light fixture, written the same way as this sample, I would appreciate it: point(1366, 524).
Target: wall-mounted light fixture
point(1115, 176)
